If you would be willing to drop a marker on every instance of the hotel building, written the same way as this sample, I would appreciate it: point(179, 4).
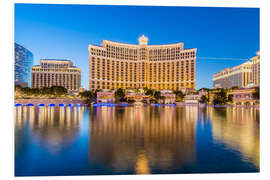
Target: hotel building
point(255, 67)
point(54, 72)
point(23, 63)
point(118, 65)
point(239, 76)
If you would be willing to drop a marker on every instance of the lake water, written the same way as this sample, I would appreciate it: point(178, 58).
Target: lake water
point(135, 140)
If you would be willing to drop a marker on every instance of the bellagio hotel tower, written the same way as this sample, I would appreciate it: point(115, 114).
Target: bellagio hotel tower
point(118, 65)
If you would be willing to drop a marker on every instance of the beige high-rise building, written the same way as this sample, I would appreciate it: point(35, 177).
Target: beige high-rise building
point(255, 67)
point(239, 76)
point(118, 65)
point(54, 72)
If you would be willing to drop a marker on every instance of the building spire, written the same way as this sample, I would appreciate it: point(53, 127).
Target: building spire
point(143, 40)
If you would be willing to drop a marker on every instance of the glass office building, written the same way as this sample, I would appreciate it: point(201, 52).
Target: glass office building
point(23, 63)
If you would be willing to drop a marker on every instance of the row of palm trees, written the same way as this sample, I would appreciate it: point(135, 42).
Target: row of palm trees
point(220, 96)
point(120, 95)
point(54, 91)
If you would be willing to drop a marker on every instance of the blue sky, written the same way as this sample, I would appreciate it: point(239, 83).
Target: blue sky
point(65, 31)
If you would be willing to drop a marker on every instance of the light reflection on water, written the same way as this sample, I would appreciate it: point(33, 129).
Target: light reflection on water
point(135, 140)
point(238, 129)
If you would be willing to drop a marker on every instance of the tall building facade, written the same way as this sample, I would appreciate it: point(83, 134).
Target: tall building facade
point(23, 63)
point(255, 67)
point(54, 72)
point(239, 76)
point(118, 65)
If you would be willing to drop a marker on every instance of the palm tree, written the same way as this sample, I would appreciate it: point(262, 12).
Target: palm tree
point(145, 89)
point(119, 95)
point(179, 96)
point(203, 99)
point(58, 90)
point(157, 95)
point(87, 96)
point(150, 92)
point(256, 94)
point(220, 97)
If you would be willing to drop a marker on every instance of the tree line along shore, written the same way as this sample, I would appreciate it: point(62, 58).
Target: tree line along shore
point(217, 96)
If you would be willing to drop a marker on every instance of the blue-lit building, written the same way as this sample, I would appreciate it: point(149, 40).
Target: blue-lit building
point(23, 63)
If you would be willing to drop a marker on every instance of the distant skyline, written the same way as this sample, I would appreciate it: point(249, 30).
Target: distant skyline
point(65, 31)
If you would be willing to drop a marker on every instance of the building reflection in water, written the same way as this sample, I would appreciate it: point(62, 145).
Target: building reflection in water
point(52, 127)
point(238, 129)
point(142, 139)
point(138, 139)
point(20, 115)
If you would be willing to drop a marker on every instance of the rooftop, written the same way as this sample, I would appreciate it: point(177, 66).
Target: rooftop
point(143, 40)
point(55, 60)
point(228, 70)
point(18, 45)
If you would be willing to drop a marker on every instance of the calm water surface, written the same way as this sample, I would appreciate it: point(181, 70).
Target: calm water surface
point(135, 140)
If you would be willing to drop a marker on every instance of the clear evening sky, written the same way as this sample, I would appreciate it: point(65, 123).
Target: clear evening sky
point(65, 31)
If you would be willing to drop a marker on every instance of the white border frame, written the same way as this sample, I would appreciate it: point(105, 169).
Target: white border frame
point(7, 43)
